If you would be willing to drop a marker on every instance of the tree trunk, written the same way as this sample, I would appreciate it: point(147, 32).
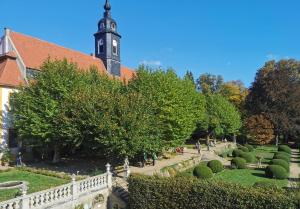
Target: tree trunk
point(286, 138)
point(234, 138)
point(56, 156)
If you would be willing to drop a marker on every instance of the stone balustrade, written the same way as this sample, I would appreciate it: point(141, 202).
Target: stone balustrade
point(61, 194)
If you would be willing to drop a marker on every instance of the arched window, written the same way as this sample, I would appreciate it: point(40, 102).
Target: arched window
point(113, 26)
point(115, 47)
point(100, 46)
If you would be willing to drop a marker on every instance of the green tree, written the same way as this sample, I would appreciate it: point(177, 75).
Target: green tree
point(209, 84)
point(176, 104)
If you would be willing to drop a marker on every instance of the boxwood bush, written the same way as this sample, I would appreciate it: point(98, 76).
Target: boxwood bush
point(282, 163)
point(284, 153)
point(250, 147)
point(202, 172)
point(285, 148)
point(276, 172)
point(248, 157)
point(244, 149)
point(237, 153)
point(265, 184)
point(216, 166)
point(239, 163)
point(148, 192)
point(282, 157)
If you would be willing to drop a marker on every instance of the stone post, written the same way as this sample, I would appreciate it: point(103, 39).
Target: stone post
point(126, 171)
point(74, 188)
point(25, 198)
point(109, 176)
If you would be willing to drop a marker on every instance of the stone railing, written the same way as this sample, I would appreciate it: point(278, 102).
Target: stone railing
point(61, 194)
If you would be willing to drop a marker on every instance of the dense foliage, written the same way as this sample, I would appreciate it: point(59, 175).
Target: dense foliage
point(203, 172)
point(215, 165)
point(176, 193)
point(276, 171)
point(238, 162)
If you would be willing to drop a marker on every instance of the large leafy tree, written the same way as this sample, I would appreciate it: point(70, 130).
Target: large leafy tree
point(274, 94)
point(37, 109)
point(223, 117)
point(177, 106)
point(209, 84)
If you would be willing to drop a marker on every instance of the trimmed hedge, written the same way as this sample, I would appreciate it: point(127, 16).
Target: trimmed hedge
point(282, 163)
point(284, 153)
point(237, 153)
point(216, 166)
point(248, 157)
point(281, 157)
point(239, 163)
point(276, 172)
point(285, 148)
point(249, 147)
point(202, 172)
point(148, 192)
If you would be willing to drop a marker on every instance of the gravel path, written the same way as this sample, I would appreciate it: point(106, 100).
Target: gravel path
point(294, 168)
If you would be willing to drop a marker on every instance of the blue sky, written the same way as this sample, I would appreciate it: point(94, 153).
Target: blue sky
point(232, 38)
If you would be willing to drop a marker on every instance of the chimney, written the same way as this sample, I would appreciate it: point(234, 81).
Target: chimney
point(6, 43)
point(93, 55)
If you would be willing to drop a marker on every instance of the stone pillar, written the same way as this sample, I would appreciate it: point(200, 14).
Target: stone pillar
point(74, 188)
point(25, 198)
point(109, 176)
point(126, 171)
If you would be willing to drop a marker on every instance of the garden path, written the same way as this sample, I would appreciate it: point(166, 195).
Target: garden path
point(188, 154)
point(294, 168)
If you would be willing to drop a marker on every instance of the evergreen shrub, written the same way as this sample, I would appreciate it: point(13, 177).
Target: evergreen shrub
point(281, 157)
point(282, 163)
point(276, 172)
point(248, 157)
point(239, 163)
point(216, 166)
point(203, 172)
point(237, 153)
point(249, 147)
point(285, 148)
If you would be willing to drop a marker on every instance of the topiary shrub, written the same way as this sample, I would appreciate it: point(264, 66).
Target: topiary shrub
point(282, 163)
point(249, 147)
point(265, 184)
point(248, 157)
point(203, 172)
point(244, 149)
point(224, 155)
point(284, 153)
point(282, 157)
point(237, 153)
point(239, 163)
point(276, 172)
point(285, 148)
point(216, 166)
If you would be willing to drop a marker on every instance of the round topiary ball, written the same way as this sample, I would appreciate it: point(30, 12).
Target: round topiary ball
point(249, 147)
point(216, 166)
point(276, 172)
point(239, 163)
point(282, 157)
point(237, 153)
point(248, 157)
point(282, 163)
point(265, 184)
point(203, 172)
point(244, 149)
point(285, 148)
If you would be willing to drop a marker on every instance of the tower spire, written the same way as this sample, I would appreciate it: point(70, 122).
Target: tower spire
point(107, 8)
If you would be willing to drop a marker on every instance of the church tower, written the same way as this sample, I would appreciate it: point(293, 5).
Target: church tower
point(107, 42)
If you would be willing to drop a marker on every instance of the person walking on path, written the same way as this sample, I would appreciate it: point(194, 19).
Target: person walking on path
point(144, 159)
point(198, 147)
point(154, 158)
point(19, 160)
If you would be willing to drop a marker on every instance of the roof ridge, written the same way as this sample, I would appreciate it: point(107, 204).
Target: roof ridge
point(55, 44)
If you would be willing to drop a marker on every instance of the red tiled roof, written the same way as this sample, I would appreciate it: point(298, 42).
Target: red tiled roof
point(34, 52)
point(127, 74)
point(10, 74)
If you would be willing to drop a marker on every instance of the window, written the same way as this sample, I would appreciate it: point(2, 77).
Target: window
point(115, 47)
point(102, 26)
point(100, 46)
point(31, 73)
point(113, 26)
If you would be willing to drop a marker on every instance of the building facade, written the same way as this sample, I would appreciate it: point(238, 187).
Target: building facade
point(21, 57)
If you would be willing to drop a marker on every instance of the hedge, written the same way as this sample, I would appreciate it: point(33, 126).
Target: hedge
point(202, 172)
point(248, 157)
point(148, 192)
point(237, 153)
point(282, 163)
point(285, 148)
point(276, 172)
point(281, 157)
point(239, 163)
point(265, 184)
point(215, 165)
point(244, 149)
point(250, 147)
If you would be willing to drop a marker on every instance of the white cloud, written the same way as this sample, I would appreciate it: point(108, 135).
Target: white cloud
point(151, 62)
point(272, 56)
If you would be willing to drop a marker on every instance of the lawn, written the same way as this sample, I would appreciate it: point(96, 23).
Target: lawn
point(36, 182)
point(247, 177)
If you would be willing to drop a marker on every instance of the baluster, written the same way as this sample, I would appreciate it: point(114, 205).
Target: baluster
point(42, 199)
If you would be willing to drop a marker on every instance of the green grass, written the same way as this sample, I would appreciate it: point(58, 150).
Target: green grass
point(247, 177)
point(36, 182)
